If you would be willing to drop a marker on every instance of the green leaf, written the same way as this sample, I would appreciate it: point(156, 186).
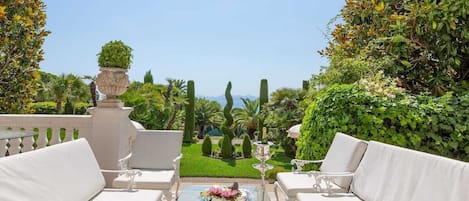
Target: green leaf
point(406, 63)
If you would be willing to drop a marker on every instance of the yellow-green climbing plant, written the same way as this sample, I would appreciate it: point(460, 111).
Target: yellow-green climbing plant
point(22, 34)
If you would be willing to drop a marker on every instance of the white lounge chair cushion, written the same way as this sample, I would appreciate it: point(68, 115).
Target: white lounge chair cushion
point(389, 173)
point(66, 171)
point(150, 179)
point(322, 196)
point(147, 155)
point(344, 155)
point(293, 183)
point(123, 195)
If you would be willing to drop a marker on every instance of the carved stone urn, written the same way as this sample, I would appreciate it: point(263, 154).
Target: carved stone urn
point(112, 82)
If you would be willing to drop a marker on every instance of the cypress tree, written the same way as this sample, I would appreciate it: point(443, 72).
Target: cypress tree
point(263, 98)
point(148, 77)
point(305, 85)
point(189, 124)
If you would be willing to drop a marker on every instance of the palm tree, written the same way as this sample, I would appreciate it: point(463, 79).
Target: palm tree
point(175, 98)
point(247, 116)
point(207, 114)
point(59, 88)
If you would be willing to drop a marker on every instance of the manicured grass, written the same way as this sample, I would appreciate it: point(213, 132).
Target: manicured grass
point(194, 164)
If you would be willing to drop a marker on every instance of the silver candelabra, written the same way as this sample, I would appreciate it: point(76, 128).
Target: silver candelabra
point(263, 154)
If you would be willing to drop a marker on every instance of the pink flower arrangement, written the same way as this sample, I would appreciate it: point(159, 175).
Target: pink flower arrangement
point(223, 193)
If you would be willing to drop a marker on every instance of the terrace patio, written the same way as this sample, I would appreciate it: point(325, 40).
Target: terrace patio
point(111, 135)
point(108, 130)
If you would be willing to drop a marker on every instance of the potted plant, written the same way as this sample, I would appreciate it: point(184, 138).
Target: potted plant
point(114, 61)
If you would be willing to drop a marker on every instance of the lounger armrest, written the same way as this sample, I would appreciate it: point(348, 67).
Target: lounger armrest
point(300, 163)
point(328, 178)
point(176, 164)
point(123, 163)
point(131, 174)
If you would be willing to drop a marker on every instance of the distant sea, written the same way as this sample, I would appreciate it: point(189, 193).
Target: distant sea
point(237, 102)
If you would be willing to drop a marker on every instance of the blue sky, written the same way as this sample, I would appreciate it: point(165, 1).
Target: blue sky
point(208, 41)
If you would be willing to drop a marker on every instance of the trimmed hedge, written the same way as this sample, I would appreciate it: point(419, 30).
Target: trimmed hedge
point(43, 108)
point(207, 146)
point(247, 147)
point(81, 108)
point(437, 125)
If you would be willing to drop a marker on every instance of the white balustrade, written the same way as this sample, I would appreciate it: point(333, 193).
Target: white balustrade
point(108, 130)
point(47, 129)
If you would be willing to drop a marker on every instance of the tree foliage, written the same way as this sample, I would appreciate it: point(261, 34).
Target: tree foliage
point(175, 98)
point(423, 43)
point(247, 117)
point(285, 109)
point(22, 34)
point(148, 104)
point(148, 77)
point(207, 114)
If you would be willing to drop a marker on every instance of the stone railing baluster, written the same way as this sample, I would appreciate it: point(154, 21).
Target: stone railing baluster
point(41, 140)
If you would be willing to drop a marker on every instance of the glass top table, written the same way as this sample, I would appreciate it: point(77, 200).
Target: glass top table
point(192, 192)
point(12, 134)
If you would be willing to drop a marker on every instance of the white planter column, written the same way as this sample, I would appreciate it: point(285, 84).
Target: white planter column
point(110, 137)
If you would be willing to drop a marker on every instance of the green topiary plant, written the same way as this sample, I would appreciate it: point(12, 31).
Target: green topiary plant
point(207, 146)
point(115, 54)
point(226, 148)
point(189, 124)
point(226, 125)
point(263, 98)
point(247, 147)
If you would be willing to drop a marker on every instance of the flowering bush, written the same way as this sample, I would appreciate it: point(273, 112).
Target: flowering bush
point(221, 193)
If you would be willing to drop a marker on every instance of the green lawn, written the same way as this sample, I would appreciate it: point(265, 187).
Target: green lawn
point(193, 164)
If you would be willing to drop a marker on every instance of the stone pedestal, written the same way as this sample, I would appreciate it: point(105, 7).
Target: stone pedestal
point(110, 139)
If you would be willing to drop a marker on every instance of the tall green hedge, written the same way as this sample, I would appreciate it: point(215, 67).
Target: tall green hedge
point(263, 99)
point(189, 124)
point(430, 124)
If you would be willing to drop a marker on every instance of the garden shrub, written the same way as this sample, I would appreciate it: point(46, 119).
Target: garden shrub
point(247, 147)
point(207, 146)
point(226, 148)
point(437, 125)
point(272, 173)
point(220, 142)
point(43, 107)
point(81, 108)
